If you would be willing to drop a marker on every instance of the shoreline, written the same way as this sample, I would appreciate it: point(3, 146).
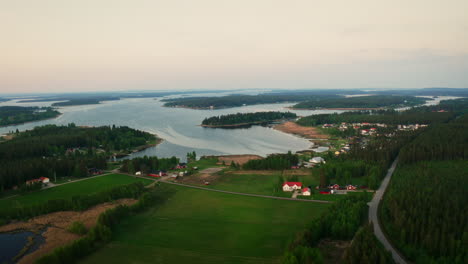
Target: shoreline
point(139, 148)
point(32, 121)
point(337, 108)
point(292, 128)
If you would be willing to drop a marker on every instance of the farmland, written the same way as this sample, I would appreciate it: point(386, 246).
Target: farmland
point(87, 186)
point(197, 226)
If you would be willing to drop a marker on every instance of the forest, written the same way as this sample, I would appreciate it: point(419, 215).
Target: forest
point(425, 209)
point(273, 162)
point(389, 117)
point(417, 115)
point(148, 164)
point(375, 101)
point(63, 151)
point(13, 115)
point(240, 100)
point(84, 101)
point(246, 118)
point(340, 222)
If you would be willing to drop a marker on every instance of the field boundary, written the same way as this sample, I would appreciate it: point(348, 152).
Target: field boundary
point(246, 194)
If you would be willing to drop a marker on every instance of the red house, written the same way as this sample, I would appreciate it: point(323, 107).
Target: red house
point(335, 187)
point(350, 187)
point(324, 191)
point(154, 175)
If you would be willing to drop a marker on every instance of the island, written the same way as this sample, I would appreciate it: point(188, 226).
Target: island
point(245, 119)
point(242, 100)
point(14, 115)
point(361, 102)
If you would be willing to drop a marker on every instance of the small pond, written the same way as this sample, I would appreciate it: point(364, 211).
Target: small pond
point(11, 244)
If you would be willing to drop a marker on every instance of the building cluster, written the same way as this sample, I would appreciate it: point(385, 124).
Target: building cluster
point(410, 127)
point(293, 186)
point(43, 180)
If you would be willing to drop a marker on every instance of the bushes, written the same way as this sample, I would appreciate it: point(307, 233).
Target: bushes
point(77, 228)
point(102, 232)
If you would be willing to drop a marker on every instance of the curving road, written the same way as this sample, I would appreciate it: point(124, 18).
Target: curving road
point(374, 219)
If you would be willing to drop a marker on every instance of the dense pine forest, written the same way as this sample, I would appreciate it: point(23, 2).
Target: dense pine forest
point(63, 151)
point(376, 101)
point(12, 115)
point(148, 164)
point(366, 249)
point(273, 162)
point(246, 118)
point(240, 100)
point(425, 210)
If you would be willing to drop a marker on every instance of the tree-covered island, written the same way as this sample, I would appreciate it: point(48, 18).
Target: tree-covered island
point(246, 119)
point(13, 115)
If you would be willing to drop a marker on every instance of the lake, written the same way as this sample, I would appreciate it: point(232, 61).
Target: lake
point(179, 127)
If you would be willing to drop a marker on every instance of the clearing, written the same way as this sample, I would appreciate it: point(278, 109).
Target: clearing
point(196, 226)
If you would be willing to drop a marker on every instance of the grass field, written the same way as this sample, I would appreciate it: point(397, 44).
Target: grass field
point(65, 191)
point(196, 226)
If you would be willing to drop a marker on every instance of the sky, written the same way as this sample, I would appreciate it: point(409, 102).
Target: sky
point(115, 45)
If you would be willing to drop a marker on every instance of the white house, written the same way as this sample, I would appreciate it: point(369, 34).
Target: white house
point(306, 191)
point(138, 173)
point(291, 186)
point(317, 160)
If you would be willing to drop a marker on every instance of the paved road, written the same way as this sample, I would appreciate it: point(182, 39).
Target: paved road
point(373, 217)
point(247, 194)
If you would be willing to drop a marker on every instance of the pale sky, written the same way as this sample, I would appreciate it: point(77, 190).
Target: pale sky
point(102, 45)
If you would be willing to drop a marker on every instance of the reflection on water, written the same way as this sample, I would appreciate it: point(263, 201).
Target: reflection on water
point(180, 127)
point(11, 244)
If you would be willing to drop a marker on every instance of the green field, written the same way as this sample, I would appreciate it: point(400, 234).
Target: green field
point(197, 226)
point(68, 190)
point(266, 184)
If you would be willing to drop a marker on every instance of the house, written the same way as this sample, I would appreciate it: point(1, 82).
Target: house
point(181, 166)
point(334, 187)
point(324, 191)
point(138, 173)
point(291, 186)
point(365, 132)
point(350, 187)
point(317, 160)
point(154, 175)
point(294, 167)
point(306, 191)
point(44, 181)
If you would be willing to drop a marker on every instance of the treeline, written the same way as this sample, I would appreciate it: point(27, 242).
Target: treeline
point(342, 172)
point(62, 151)
point(425, 209)
point(85, 101)
point(12, 115)
point(102, 232)
point(340, 222)
point(240, 100)
point(366, 249)
point(246, 118)
point(148, 164)
point(75, 203)
point(389, 117)
point(273, 162)
point(375, 101)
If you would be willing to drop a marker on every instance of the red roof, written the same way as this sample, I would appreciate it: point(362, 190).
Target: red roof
point(290, 184)
point(305, 190)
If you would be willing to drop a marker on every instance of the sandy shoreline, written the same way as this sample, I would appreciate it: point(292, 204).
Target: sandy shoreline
point(295, 129)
